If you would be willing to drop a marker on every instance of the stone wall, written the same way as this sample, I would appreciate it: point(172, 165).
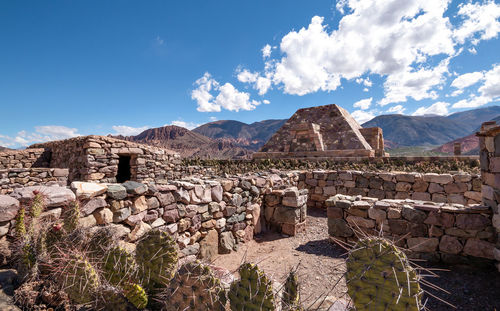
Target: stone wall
point(489, 154)
point(96, 158)
point(22, 177)
point(285, 210)
point(206, 217)
point(431, 231)
point(33, 157)
point(461, 188)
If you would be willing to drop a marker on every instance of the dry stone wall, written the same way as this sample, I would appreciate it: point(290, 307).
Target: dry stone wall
point(34, 157)
point(96, 158)
point(22, 177)
point(206, 217)
point(451, 233)
point(460, 188)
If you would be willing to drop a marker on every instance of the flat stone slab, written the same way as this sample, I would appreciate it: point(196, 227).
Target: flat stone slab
point(117, 192)
point(8, 207)
point(87, 190)
point(135, 187)
point(54, 196)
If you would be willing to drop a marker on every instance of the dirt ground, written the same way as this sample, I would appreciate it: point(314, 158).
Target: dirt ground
point(322, 263)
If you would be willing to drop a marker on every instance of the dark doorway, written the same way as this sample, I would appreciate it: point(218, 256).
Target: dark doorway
point(124, 173)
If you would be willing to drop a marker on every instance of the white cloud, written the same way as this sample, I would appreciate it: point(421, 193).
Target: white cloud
point(365, 82)
point(126, 130)
point(439, 108)
point(266, 51)
point(266, 102)
point(467, 79)
point(479, 19)
point(398, 109)
point(202, 93)
point(363, 104)
point(42, 134)
point(228, 98)
point(362, 116)
point(184, 124)
point(213, 118)
point(260, 83)
point(472, 50)
point(159, 40)
point(246, 76)
point(488, 91)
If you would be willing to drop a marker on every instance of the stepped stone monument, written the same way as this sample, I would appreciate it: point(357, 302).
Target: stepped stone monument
point(323, 132)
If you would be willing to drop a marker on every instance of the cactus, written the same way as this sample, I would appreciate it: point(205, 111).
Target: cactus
point(111, 298)
point(71, 215)
point(252, 292)
point(37, 204)
point(100, 243)
point(80, 279)
point(379, 277)
point(194, 287)
point(156, 255)
point(20, 225)
point(136, 295)
point(119, 266)
point(291, 297)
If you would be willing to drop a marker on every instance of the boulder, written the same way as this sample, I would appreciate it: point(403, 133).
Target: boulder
point(103, 216)
point(8, 207)
point(54, 196)
point(87, 190)
point(134, 187)
point(227, 243)
point(116, 192)
point(479, 248)
point(450, 244)
point(89, 206)
point(139, 231)
point(209, 246)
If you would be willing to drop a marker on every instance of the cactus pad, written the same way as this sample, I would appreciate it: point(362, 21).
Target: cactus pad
point(194, 287)
point(156, 254)
point(291, 297)
point(252, 292)
point(119, 266)
point(136, 295)
point(20, 225)
point(379, 277)
point(37, 204)
point(80, 279)
point(71, 215)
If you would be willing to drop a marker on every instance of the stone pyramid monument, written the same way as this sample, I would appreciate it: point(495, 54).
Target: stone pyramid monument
point(323, 131)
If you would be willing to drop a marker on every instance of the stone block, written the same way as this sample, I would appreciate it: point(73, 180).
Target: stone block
point(139, 204)
point(334, 212)
point(440, 219)
point(116, 192)
point(479, 248)
point(422, 244)
point(361, 222)
point(103, 216)
point(134, 187)
point(378, 215)
point(87, 190)
point(393, 213)
point(293, 229)
point(8, 208)
point(413, 215)
point(89, 206)
point(472, 221)
point(450, 244)
point(339, 228)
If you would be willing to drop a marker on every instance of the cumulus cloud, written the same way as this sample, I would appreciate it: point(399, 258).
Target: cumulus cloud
point(184, 124)
point(439, 108)
point(398, 109)
point(363, 104)
point(362, 116)
point(266, 51)
point(479, 20)
point(228, 97)
point(467, 79)
point(41, 134)
point(126, 130)
point(487, 92)
point(213, 118)
point(260, 83)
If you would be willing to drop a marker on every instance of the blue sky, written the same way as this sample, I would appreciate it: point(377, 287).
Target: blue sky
point(72, 68)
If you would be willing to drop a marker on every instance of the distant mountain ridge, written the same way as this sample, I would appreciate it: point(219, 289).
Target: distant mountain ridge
point(4, 149)
point(250, 136)
point(187, 143)
point(405, 130)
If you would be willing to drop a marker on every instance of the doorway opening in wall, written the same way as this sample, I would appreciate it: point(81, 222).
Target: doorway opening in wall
point(124, 172)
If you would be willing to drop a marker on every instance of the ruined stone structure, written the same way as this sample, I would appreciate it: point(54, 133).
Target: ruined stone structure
point(105, 159)
point(489, 154)
point(323, 131)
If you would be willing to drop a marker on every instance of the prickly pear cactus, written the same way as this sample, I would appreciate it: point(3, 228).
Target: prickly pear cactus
point(100, 242)
point(119, 266)
point(136, 295)
point(80, 279)
point(156, 255)
point(252, 292)
point(194, 287)
point(291, 297)
point(70, 216)
point(111, 299)
point(379, 277)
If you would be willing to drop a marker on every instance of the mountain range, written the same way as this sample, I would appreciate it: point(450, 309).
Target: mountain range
point(227, 139)
point(4, 148)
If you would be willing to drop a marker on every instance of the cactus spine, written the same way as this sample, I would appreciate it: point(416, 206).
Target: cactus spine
point(379, 277)
point(119, 266)
point(70, 216)
point(80, 279)
point(252, 292)
point(157, 257)
point(194, 287)
point(20, 225)
point(291, 297)
point(136, 295)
